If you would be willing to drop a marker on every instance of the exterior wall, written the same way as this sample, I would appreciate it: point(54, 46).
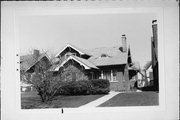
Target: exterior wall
point(122, 82)
point(72, 71)
point(126, 81)
point(115, 86)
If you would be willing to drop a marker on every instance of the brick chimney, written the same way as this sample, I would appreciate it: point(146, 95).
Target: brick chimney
point(36, 54)
point(124, 44)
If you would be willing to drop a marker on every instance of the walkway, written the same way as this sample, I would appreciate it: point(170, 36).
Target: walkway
point(101, 100)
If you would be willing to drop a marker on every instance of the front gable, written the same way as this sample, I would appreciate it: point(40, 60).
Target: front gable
point(28, 65)
point(82, 62)
point(71, 50)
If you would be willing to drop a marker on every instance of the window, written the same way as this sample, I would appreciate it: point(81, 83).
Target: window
point(114, 75)
point(110, 75)
point(103, 55)
point(107, 75)
point(69, 53)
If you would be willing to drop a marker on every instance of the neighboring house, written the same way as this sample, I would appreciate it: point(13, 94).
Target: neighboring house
point(28, 64)
point(149, 73)
point(112, 63)
point(145, 75)
point(154, 48)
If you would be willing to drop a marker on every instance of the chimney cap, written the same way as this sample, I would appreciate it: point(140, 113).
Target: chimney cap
point(123, 35)
point(154, 21)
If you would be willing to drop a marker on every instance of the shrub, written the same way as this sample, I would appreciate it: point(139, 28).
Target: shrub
point(84, 87)
point(100, 86)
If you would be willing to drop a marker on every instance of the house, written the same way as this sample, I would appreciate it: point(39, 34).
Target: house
point(28, 64)
point(145, 75)
point(112, 63)
point(149, 73)
point(154, 53)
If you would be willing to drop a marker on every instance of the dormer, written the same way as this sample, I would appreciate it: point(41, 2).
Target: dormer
point(103, 55)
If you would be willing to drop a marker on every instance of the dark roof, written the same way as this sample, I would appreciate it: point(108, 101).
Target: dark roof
point(104, 56)
point(27, 61)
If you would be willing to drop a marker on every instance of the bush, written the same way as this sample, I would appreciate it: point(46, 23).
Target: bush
point(100, 86)
point(84, 87)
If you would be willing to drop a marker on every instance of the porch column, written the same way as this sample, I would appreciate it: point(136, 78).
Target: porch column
point(111, 75)
point(102, 74)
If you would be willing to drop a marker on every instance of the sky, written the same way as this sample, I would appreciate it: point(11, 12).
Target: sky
point(87, 31)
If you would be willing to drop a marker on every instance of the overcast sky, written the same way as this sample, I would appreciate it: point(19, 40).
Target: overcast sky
point(86, 32)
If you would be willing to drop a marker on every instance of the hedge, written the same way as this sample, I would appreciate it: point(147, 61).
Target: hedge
point(100, 86)
point(75, 88)
point(84, 87)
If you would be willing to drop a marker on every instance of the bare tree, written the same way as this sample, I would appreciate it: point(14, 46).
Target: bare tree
point(42, 79)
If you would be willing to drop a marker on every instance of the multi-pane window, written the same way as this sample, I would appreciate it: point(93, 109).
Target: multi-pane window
point(107, 75)
point(110, 75)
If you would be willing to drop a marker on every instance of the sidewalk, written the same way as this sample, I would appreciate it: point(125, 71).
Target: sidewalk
point(101, 100)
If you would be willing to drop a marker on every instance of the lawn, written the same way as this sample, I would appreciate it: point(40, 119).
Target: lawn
point(30, 100)
point(133, 99)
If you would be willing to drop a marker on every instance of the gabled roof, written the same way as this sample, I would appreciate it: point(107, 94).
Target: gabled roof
point(28, 61)
point(74, 47)
point(113, 56)
point(81, 61)
point(86, 62)
point(134, 66)
point(147, 65)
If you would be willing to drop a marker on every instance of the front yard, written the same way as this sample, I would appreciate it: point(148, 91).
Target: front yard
point(30, 100)
point(133, 99)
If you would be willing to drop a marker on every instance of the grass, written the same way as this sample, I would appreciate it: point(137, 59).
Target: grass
point(133, 99)
point(31, 100)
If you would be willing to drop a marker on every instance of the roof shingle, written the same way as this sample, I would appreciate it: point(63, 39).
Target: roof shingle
point(114, 56)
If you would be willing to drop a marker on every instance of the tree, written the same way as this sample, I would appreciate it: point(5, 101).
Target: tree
point(42, 79)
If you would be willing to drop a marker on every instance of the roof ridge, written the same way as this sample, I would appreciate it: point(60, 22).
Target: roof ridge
point(102, 47)
point(80, 50)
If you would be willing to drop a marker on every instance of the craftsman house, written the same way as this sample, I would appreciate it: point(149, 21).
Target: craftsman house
point(112, 63)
